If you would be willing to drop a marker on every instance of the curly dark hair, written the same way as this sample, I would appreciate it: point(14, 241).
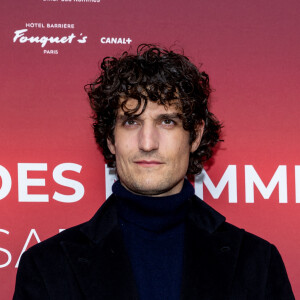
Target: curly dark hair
point(158, 75)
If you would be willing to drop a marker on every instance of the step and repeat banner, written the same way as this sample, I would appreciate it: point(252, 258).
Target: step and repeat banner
point(52, 176)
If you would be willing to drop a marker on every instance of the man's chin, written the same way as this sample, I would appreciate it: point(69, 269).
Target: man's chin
point(154, 189)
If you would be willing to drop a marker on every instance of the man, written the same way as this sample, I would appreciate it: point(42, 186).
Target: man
point(153, 238)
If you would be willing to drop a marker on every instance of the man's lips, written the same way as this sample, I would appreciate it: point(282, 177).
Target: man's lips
point(148, 163)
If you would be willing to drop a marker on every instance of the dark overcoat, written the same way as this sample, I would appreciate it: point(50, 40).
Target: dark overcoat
point(89, 261)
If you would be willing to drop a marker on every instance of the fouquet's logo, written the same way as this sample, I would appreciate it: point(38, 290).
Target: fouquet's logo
point(21, 37)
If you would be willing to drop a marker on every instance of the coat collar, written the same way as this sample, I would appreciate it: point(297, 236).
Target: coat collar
point(203, 216)
point(105, 220)
point(102, 266)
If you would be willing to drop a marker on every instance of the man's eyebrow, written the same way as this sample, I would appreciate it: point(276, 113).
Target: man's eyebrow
point(124, 117)
point(169, 116)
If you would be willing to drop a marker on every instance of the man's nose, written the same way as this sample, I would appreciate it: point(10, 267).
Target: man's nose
point(148, 137)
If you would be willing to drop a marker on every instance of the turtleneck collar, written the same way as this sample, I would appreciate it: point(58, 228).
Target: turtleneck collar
point(153, 213)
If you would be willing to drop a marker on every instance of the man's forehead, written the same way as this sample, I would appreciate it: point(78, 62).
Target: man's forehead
point(130, 104)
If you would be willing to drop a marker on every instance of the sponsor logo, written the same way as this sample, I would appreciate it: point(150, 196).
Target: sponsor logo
point(49, 35)
point(73, 1)
point(22, 36)
point(115, 40)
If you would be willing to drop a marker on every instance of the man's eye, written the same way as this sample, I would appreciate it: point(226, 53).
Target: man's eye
point(130, 123)
point(168, 122)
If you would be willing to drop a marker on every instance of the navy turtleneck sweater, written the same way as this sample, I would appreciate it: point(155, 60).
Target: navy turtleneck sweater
point(153, 231)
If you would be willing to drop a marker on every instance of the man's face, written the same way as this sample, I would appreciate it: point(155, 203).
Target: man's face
point(152, 150)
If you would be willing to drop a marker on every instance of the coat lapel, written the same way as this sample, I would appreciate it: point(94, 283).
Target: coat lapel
point(100, 264)
point(210, 254)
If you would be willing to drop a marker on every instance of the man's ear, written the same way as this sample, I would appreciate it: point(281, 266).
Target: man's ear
point(199, 134)
point(111, 146)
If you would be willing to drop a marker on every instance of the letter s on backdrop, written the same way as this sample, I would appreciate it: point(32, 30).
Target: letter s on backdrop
point(60, 179)
point(6, 252)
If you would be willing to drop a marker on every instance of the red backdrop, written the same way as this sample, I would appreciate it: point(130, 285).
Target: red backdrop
point(249, 49)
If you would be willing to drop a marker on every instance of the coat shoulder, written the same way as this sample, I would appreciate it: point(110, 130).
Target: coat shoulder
point(250, 242)
point(83, 233)
point(51, 246)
